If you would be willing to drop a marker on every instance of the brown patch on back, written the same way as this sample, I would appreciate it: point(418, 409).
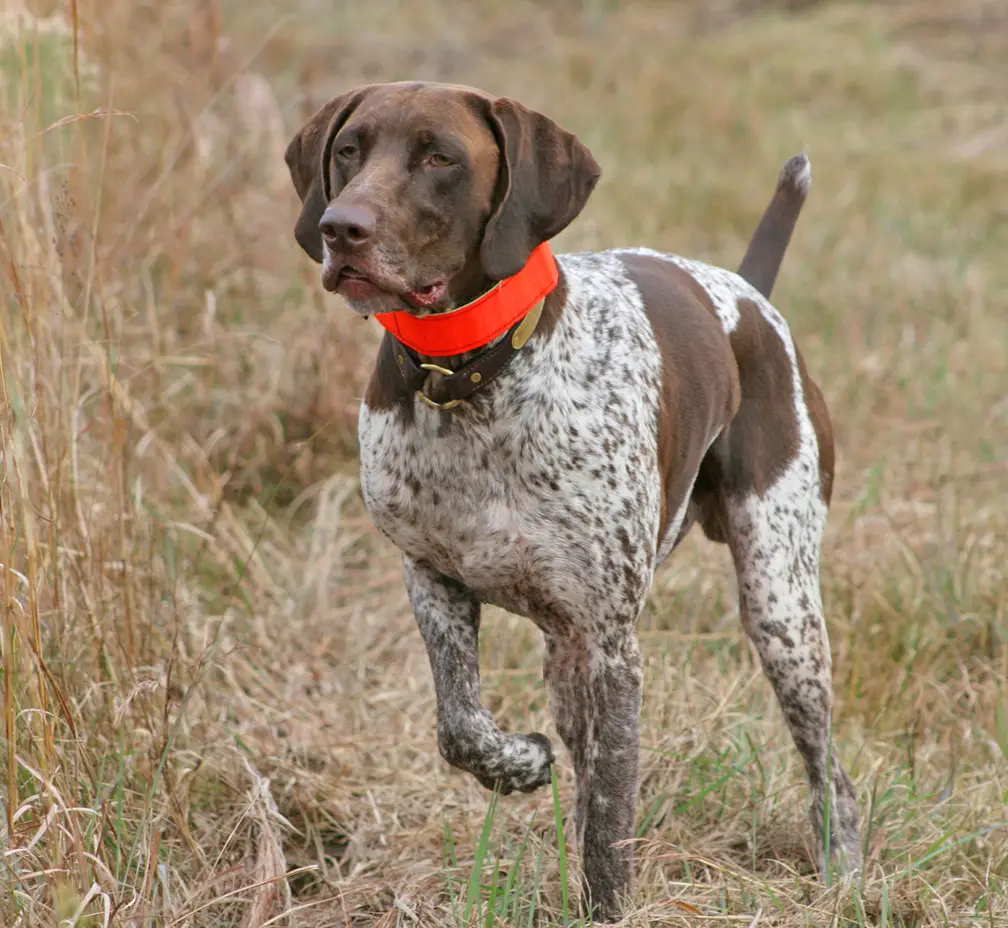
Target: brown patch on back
point(680, 278)
point(700, 389)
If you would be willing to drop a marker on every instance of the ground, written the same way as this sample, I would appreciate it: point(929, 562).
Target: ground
point(217, 710)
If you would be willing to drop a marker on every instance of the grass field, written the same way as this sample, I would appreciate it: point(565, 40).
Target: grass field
point(217, 710)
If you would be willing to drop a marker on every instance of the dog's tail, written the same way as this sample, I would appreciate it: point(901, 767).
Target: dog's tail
point(766, 249)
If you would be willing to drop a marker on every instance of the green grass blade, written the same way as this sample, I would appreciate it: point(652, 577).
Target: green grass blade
point(482, 846)
point(535, 890)
point(511, 884)
point(650, 815)
point(561, 845)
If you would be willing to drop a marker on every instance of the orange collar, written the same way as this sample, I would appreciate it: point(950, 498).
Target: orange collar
point(477, 323)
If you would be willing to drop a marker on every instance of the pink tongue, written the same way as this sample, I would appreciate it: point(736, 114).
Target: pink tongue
point(426, 297)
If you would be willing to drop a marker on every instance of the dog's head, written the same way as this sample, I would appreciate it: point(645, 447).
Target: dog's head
point(419, 196)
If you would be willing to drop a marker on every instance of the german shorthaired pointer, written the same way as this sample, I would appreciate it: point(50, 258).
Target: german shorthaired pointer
point(540, 433)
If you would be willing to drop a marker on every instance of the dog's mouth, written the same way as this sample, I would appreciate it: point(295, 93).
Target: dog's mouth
point(426, 297)
point(352, 283)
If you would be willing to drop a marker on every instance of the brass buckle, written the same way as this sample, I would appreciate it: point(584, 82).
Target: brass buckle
point(434, 404)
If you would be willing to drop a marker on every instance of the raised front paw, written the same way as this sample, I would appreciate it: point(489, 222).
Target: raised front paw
point(516, 763)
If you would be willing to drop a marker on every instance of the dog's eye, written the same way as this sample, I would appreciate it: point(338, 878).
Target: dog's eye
point(347, 151)
point(439, 160)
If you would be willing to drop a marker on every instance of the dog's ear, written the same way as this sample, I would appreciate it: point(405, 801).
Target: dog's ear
point(307, 158)
point(546, 176)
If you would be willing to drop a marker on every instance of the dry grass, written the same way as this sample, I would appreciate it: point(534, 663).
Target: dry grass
point(216, 708)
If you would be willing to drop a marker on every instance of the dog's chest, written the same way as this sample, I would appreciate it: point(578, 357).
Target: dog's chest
point(544, 497)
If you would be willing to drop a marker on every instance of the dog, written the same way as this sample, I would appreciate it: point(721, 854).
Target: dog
point(540, 432)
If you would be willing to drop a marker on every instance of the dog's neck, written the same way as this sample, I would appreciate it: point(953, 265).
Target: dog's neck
point(470, 284)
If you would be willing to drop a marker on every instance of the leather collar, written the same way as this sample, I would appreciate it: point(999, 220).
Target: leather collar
point(445, 388)
point(478, 323)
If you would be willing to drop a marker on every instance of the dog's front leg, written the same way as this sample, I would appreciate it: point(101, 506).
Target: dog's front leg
point(594, 680)
point(449, 617)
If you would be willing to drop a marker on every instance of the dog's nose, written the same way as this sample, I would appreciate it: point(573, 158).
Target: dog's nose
point(347, 225)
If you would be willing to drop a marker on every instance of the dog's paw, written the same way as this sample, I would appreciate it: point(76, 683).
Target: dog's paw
point(845, 862)
point(523, 766)
point(845, 853)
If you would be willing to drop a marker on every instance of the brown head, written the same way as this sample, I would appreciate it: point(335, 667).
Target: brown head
point(420, 196)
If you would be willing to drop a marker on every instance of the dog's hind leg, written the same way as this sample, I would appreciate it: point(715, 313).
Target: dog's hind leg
point(449, 617)
point(764, 488)
point(775, 541)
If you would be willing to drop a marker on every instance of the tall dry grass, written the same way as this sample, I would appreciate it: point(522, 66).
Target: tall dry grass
point(216, 709)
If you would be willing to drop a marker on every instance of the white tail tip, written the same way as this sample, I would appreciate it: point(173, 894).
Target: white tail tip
point(796, 174)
